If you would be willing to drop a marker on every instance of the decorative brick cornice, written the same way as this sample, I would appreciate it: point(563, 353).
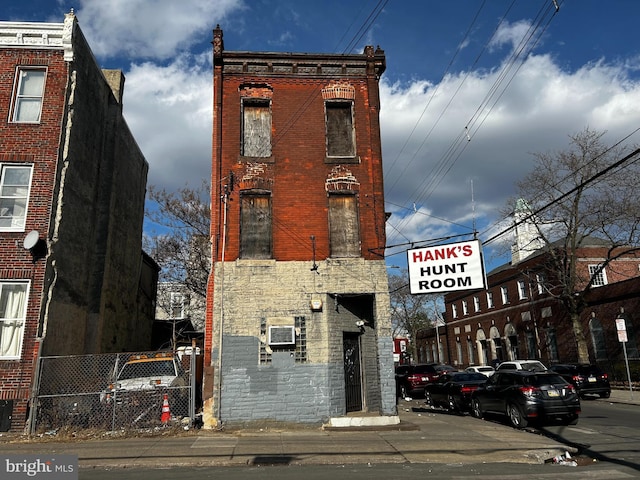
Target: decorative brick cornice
point(301, 64)
point(256, 177)
point(51, 36)
point(341, 180)
point(339, 90)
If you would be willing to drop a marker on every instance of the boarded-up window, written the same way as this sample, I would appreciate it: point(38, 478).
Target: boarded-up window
point(256, 128)
point(255, 226)
point(344, 226)
point(340, 135)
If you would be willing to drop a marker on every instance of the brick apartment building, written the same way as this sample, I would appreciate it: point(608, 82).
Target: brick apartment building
point(73, 277)
point(516, 317)
point(297, 327)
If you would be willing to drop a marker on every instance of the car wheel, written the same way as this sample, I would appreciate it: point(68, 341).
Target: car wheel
point(516, 418)
point(427, 399)
point(476, 409)
point(453, 407)
point(605, 394)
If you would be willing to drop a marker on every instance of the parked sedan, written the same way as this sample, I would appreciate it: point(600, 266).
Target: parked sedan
point(525, 397)
point(531, 365)
point(486, 370)
point(411, 379)
point(453, 390)
point(588, 379)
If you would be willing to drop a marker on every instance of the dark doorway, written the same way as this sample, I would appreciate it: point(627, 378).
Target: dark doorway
point(352, 374)
point(6, 412)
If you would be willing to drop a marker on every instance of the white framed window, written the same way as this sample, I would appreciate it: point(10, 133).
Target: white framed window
point(476, 304)
point(454, 310)
point(13, 312)
point(465, 308)
point(598, 275)
point(490, 303)
point(27, 104)
point(504, 293)
point(522, 290)
point(177, 305)
point(15, 184)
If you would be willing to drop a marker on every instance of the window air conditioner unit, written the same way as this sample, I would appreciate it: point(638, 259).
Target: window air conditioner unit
point(282, 335)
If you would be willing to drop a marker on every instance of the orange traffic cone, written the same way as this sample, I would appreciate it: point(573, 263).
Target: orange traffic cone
point(166, 412)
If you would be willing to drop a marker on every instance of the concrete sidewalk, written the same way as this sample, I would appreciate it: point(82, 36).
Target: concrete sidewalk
point(423, 436)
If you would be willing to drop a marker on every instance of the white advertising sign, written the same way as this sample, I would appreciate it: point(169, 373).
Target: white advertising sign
point(446, 268)
point(621, 327)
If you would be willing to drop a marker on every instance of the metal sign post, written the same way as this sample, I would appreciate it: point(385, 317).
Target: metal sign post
point(621, 327)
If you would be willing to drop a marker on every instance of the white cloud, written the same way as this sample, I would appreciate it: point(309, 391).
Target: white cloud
point(535, 112)
point(155, 29)
point(511, 34)
point(169, 111)
point(428, 160)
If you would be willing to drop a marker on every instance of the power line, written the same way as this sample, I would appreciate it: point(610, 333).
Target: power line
point(457, 148)
point(583, 184)
point(557, 184)
point(435, 91)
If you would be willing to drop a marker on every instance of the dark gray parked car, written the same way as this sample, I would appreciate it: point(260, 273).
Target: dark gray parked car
point(526, 397)
point(453, 390)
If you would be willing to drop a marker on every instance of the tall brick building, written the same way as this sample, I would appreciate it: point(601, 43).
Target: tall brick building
point(297, 326)
point(73, 277)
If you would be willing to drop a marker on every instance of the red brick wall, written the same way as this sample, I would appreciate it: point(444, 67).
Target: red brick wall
point(35, 144)
point(604, 303)
point(298, 169)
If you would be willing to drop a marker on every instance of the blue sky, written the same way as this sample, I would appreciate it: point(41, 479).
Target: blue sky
point(514, 75)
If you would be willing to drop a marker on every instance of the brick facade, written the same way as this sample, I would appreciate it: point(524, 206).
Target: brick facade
point(86, 201)
point(248, 295)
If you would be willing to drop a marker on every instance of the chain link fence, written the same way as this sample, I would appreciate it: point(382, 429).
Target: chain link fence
point(114, 391)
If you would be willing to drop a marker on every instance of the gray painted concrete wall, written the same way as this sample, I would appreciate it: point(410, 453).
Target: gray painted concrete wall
point(280, 392)
point(275, 293)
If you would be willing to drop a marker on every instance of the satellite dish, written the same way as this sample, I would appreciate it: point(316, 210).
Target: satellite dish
point(31, 239)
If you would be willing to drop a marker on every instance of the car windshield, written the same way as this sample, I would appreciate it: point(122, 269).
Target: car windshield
point(533, 366)
point(444, 368)
point(423, 369)
point(589, 370)
point(563, 368)
point(155, 368)
point(468, 377)
point(540, 380)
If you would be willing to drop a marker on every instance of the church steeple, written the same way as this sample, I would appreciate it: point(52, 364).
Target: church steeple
point(527, 238)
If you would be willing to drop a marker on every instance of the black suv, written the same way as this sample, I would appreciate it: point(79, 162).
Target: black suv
point(526, 397)
point(588, 379)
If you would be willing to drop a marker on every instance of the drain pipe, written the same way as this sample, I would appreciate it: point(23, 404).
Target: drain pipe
point(225, 199)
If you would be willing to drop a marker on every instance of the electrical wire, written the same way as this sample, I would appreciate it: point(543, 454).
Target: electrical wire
point(632, 157)
point(459, 145)
point(462, 42)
